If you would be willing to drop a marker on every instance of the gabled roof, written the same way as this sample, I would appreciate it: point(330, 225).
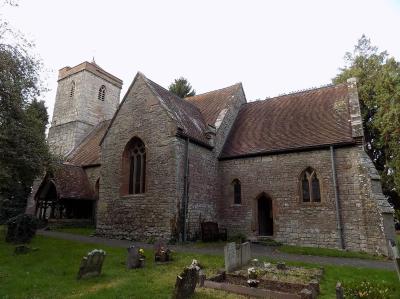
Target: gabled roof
point(71, 182)
point(302, 120)
point(187, 116)
point(212, 103)
point(88, 151)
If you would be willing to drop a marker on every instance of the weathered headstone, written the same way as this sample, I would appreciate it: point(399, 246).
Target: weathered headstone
point(186, 283)
point(236, 255)
point(339, 291)
point(92, 264)
point(134, 259)
point(161, 251)
point(396, 257)
point(230, 256)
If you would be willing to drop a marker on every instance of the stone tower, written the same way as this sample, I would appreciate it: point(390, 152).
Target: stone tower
point(86, 95)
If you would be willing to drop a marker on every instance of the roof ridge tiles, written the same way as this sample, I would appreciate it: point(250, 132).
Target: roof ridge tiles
point(314, 88)
point(216, 90)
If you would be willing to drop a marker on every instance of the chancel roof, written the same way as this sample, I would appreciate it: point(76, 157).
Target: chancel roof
point(297, 121)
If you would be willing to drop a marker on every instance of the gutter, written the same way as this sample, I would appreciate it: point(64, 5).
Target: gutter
point(287, 150)
point(185, 191)
point(337, 202)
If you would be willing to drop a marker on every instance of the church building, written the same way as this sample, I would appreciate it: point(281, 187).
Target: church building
point(291, 168)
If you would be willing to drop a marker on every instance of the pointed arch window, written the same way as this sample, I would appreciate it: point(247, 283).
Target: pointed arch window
point(310, 188)
point(102, 93)
point(134, 167)
point(72, 90)
point(237, 192)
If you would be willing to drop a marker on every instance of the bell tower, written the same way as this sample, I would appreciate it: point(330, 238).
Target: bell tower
point(86, 95)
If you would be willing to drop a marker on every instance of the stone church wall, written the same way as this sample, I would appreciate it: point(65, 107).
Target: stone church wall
point(295, 222)
point(153, 213)
point(202, 179)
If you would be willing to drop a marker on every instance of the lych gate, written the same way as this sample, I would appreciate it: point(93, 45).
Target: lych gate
point(66, 194)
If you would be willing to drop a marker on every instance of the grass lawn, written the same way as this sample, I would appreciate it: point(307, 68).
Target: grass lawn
point(50, 272)
point(85, 231)
point(327, 252)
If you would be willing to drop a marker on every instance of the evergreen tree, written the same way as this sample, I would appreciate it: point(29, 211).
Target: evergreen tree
point(182, 88)
point(378, 77)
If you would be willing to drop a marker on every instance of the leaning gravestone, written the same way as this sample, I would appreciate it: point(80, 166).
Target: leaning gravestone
point(92, 264)
point(186, 282)
point(134, 259)
point(21, 229)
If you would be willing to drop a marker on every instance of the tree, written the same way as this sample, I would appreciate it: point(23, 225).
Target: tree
point(24, 153)
point(379, 92)
point(182, 88)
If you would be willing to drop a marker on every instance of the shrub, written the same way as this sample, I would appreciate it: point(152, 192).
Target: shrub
point(21, 229)
point(367, 290)
point(238, 238)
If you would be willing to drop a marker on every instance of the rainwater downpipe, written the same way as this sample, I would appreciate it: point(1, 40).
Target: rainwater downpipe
point(337, 203)
point(185, 189)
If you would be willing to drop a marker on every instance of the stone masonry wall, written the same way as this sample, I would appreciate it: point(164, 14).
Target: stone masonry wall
point(151, 214)
point(295, 222)
point(75, 116)
point(202, 179)
point(203, 170)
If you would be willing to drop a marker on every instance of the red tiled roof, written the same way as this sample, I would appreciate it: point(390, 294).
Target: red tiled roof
point(212, 103)
point(187, 115)
point(72, 182)
point(88, 151)
point(291, 122)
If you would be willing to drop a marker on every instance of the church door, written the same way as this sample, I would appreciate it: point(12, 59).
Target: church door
point(265, 220)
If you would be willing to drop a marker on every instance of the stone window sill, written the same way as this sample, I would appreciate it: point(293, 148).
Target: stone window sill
point(236, 205)
point(129, 196)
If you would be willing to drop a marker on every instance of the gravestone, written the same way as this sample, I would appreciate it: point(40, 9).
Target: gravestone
point(161, 251)
point(339, 291)
point(92, 264)
point(396, 257)
point(236, 255)
point(230, 256)
point(186, 283)
point(134, 259)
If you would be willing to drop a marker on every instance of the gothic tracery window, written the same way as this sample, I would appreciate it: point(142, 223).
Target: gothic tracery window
point(102, 93)
point(134, 167)
point(310, 188)
point(237, 192)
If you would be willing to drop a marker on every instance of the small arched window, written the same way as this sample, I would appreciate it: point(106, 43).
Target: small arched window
point(310, 189)
point(134, 167)
point(72, 90)
point(102, 93)
point(237, 192)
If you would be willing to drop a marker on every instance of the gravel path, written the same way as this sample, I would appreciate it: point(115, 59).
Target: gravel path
point(256, 250)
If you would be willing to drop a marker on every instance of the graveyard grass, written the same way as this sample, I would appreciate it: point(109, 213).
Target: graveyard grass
point(50, 272)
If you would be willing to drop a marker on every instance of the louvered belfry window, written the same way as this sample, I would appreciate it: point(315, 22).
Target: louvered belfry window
point(102, 93)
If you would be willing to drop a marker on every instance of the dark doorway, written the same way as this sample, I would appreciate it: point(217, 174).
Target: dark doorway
point(265, 219)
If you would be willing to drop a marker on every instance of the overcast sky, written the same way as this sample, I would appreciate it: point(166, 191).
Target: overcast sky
point(272, 47)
